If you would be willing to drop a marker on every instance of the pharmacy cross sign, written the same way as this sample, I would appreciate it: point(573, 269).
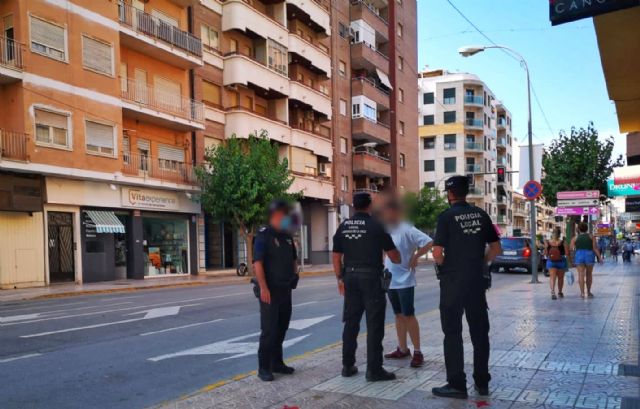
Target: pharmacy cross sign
point(532, 190)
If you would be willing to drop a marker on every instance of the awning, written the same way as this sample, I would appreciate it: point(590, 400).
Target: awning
point(106, 222)
point(384, 78)
point(627, 174)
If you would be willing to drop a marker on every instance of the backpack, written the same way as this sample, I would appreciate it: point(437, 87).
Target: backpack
point(554, 253)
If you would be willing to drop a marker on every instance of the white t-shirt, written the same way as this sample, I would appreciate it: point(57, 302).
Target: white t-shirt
point(407, 240)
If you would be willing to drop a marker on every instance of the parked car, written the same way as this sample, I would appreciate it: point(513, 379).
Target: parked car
point(516, 254)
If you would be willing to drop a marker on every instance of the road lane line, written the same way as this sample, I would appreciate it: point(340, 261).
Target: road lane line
point(305, 303)
point(15, 358)
point(124, 309)
point(103, 324)
point(180, 327)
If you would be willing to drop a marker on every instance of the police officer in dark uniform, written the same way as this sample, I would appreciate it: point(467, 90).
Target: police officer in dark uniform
point(358, 248)
point(275, 265)
point(459, 250)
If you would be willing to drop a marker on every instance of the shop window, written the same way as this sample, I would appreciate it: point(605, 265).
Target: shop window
point(166, 244)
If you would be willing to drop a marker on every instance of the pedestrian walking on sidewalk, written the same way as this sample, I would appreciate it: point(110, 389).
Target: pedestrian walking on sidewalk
point(586, 254)
point(359, 246)
point(556, 251)
point(614, 250)
point(462, 234)
point(412, 244)
point(275, 265)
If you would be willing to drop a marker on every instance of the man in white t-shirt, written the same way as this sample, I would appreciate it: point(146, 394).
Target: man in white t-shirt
point(412, 244)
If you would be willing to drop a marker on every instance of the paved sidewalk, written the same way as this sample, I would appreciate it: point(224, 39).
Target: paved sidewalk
point(565, 353)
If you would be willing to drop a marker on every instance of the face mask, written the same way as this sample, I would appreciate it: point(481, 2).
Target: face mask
point(285, 223)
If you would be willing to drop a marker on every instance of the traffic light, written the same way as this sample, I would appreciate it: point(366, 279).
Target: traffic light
point(502, 173)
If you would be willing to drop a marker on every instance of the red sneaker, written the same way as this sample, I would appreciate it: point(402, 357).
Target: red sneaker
point(398, 354)
point(418, 360)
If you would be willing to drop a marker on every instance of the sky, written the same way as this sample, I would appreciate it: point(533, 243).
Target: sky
point(564, 62)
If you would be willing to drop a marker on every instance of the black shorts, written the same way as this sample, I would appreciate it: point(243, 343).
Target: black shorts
point(402, 301)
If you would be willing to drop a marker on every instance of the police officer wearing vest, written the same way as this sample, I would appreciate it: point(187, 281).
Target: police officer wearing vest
point(462, 235)
point(275, 266)
point(358, 248)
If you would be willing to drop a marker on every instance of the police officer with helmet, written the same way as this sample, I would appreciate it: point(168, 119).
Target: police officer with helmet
point(358, 248)
point(275, 266)
point(460, 252)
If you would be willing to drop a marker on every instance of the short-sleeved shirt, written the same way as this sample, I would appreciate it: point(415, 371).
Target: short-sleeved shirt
point(278, 254)
point(362, 240)
point(407, 239)
point(464, 231)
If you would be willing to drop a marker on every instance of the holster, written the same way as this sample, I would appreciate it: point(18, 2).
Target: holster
point(256, 287)
point(294, 282)
point(438, 270)
point(486, 276)
point(386, 280)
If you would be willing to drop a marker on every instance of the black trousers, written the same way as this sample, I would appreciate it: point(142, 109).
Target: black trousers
point(274, 323)
point(363, 295)
point(458, 297)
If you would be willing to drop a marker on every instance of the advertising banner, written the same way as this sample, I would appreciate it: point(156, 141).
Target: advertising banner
point(629, 189)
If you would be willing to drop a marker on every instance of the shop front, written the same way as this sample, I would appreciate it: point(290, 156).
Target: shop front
point(131, 232)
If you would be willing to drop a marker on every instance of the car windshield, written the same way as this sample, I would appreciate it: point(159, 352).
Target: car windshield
point(513, 244)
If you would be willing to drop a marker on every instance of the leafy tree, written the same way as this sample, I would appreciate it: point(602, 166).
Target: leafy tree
point(578, 161)
point(239, 179)
point(424, 207)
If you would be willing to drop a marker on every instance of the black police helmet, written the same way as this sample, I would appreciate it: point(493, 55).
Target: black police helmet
point(279, 205)
point(458, 185)
point(361, 200)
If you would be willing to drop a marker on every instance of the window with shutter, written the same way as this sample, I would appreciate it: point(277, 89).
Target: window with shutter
point(211, 94)
point(99, 138)
point(97, 55)
point(51, 128)
point(167, 93)
point(209, 37)
point(48, 39)
point(170, 157)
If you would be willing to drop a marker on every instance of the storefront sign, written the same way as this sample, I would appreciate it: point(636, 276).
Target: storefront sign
point(564, 11)
point(632, 204)
point(581, 194)
point(629, 189)
point(578, 202)
point(20, 193)
point(577, 211)
point(149, 199)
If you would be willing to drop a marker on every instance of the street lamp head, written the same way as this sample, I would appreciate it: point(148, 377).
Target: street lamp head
point(469, 50)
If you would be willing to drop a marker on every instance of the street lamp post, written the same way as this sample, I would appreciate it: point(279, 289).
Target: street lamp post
point(468, 51)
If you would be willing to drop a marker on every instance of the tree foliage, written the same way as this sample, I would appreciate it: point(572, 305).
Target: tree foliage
point(578, 161)
point(424, 207)
point(240, 178)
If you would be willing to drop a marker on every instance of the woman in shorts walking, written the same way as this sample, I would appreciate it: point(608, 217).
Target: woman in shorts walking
point(586, 254)
point(556, 251)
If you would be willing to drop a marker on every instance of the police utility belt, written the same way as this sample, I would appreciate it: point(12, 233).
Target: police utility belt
point(385, 277)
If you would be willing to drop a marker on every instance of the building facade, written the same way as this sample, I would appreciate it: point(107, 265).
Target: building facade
point(465, 130)
point(109, 106)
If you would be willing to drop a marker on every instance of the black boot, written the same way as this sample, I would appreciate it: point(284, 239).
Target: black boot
point(265, 375)
point(380, 375)
point(448, 391)
point(482, 390)
point(349, 371)
point(282, 368)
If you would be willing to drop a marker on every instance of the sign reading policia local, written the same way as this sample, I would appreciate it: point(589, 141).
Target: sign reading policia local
point(564, 11)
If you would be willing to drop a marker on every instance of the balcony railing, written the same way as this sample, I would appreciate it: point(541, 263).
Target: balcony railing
point(13, 145)
point(476, 191)
point(502, 219)
point(372, 83)
point(473, 100)
point(11, 53)
point(502, 122)
point(502, 199)
point(502, 161)
point(474, 123)
point(258, 113)
point(474, 146)
point(167, 170)
point(472, 168)
point(152, 26)
point(314, 128)
point(174, 104)
point(372, 153)
point(371, 8)
point(502, 141)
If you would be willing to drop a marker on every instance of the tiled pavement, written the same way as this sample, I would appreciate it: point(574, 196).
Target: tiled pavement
point(565, 353)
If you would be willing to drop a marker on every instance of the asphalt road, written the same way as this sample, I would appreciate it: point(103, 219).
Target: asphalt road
point(134, 350)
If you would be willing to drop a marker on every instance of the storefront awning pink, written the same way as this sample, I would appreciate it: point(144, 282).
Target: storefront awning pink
point(627, 174)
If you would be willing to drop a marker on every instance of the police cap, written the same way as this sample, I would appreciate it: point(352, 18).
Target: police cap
point(361, 200)
point(458, 185)
point(279, 205)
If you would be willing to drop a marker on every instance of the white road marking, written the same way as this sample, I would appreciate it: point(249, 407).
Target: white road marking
point(154, 313)
point(229, 346)
point(14, 318)
point(305, 303)
point(15, 358)
point(127, 308)
point(76, 309)
point(308, 322)
point(144, 334)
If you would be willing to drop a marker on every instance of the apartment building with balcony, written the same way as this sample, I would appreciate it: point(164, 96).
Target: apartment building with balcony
point(465, 130)
point(97, 139)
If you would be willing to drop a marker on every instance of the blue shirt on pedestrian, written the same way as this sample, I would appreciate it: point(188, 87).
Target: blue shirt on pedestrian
point(407, 239)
